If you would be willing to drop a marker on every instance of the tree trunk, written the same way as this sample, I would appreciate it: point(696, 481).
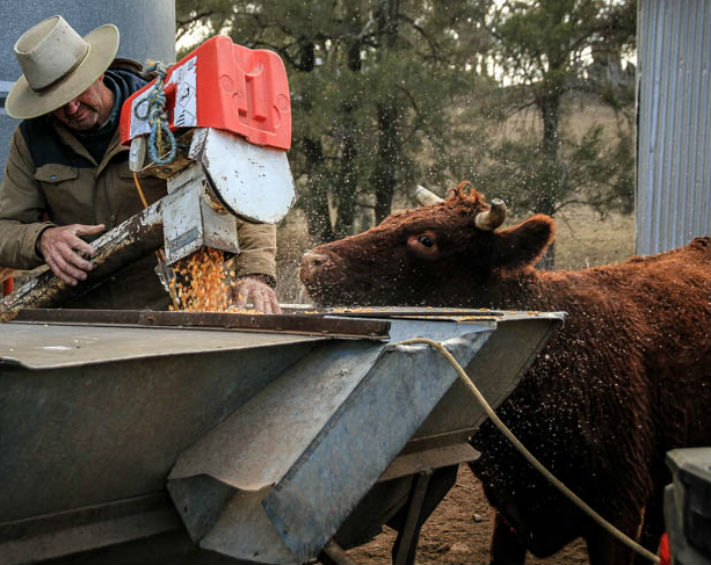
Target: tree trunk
point(347, 179)
point(347, 184)
point(550, 111)
point(547, 195)
point(547, 262)
point(387, 16)
point(384, 176)
point(318, 219)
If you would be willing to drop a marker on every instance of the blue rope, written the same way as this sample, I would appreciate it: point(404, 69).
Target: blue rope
point(157, 117)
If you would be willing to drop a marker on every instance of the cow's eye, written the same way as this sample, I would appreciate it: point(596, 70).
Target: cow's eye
point(424, 246)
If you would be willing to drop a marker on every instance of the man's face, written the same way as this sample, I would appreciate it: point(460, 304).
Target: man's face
point(86, 111)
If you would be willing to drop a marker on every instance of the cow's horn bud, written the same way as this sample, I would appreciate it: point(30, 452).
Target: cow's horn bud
point(426, 197)
point(492, 218)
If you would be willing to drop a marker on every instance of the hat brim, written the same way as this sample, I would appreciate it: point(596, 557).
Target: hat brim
point(24, 103)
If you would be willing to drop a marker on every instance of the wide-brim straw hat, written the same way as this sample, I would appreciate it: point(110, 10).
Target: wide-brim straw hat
point(58, 65)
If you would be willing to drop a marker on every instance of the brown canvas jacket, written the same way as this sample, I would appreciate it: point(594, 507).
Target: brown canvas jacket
point(34, 198)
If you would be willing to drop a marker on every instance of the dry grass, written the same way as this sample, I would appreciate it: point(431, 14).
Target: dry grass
point(584, 240)
point(580, 113)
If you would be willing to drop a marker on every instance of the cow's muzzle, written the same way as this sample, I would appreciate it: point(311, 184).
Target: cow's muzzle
point(312, 264)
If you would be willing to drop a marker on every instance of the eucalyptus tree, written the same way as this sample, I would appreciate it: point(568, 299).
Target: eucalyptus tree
point(546, 51)
point(390, 93)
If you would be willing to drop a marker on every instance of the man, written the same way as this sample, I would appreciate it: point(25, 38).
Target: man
point(67, 177)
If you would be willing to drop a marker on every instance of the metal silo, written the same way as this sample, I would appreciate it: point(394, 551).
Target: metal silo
point(147, 31)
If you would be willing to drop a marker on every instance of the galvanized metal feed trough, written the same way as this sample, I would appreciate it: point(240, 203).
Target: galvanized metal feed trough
point(157, 436)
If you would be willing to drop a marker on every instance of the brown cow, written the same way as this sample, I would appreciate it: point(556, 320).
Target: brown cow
point(626, 379)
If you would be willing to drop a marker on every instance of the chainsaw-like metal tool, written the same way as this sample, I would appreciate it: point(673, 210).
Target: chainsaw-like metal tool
point(228, 107)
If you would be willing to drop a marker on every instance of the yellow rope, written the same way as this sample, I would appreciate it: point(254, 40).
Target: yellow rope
point(140, 190)
point(621, 536)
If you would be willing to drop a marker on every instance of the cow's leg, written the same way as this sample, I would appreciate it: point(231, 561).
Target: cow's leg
point(653, 527)
point(506, 547)
point(604, 548)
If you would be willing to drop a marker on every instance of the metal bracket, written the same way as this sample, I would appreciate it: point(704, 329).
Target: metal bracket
point(405, 546)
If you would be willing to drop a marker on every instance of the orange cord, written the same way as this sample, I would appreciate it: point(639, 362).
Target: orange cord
point(140, 190)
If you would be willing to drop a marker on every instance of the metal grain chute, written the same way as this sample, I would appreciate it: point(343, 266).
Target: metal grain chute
point(259, 438)
point(302, 472)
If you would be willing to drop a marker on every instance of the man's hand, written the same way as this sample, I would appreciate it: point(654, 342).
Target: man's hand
point(62, 247)
point(260, 294)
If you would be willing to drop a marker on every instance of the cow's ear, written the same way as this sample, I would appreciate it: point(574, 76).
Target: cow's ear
point(525, 243)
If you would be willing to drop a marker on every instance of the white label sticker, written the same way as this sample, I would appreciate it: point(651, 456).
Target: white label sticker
point(139, 115)
point(184, 113)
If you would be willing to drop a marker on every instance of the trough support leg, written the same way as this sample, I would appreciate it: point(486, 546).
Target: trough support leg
point(334, 554)
point(405, 546)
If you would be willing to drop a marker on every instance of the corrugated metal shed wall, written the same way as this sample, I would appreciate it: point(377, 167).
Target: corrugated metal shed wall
point(674, 133)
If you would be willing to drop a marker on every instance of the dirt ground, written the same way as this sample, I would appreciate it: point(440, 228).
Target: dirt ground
point(458, 532)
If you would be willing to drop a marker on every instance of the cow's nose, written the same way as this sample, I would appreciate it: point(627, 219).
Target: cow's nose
point(314, 260)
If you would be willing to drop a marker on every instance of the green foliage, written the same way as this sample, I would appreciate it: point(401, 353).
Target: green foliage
point(387, 94)
point(373, 83)
point(542, 46)
point(591, 170)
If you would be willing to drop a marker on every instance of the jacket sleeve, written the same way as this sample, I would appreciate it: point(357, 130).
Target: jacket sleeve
point(22, 207)
point(257, 244)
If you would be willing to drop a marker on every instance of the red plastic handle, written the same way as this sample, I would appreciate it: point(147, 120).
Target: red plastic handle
point(245, 91)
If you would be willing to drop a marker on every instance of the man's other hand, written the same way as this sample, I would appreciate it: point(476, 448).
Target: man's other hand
point(63, 250)
point(261, 295)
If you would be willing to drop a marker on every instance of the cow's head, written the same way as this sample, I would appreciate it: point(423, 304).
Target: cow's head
point(434, 255)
